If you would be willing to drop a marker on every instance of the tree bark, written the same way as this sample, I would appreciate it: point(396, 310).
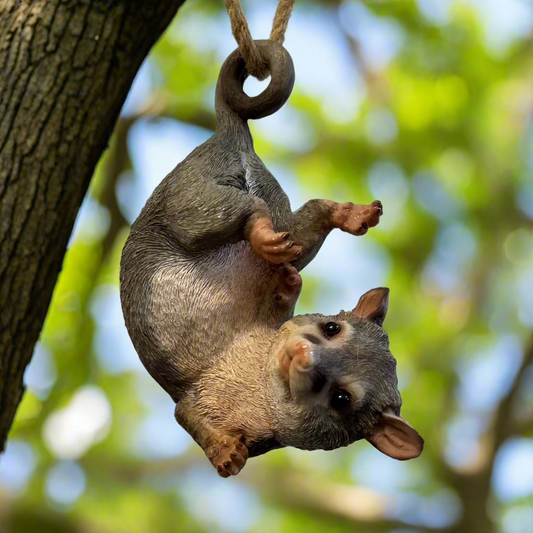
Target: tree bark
point(65, 71)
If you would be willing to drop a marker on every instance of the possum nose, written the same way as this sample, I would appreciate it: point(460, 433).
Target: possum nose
point(301, 355)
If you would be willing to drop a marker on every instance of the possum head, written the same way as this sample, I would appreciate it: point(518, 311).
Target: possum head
point(336, 382)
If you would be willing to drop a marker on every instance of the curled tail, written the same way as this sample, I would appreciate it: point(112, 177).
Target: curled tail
point(230, 93)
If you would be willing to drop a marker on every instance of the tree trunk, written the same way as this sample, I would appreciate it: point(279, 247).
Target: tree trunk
point(65, 71)
point(474, 491)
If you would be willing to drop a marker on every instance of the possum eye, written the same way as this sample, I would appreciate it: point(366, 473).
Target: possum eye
point(340, 400)
point(331, 329)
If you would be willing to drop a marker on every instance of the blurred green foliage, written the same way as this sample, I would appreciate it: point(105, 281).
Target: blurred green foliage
point(439, 130)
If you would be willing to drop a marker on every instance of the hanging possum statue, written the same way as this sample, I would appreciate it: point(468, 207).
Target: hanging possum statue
point(209, 281)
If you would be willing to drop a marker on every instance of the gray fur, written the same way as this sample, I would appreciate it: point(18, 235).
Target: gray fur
point(198, 304)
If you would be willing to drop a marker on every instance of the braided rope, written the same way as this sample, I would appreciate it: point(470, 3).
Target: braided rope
point(281, 20)
point(239, 26)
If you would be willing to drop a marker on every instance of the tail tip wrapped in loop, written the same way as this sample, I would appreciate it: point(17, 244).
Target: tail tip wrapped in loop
point(234, 73)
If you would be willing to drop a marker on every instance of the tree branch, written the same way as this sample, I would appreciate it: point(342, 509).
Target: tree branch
point(346, 504)
point(351, 505)
point(159, 106)
point(505, 424)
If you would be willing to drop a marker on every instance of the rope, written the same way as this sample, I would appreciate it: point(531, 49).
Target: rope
point(281, 20)
point(239, 26)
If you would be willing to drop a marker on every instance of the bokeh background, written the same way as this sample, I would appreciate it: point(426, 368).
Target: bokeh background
point(424, 105)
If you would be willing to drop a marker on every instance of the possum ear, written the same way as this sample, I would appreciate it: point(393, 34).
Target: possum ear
point(393, 436)
point(373, 305)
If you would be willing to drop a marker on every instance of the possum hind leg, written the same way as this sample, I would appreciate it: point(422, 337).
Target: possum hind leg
point(218, 212)
point(313, 222)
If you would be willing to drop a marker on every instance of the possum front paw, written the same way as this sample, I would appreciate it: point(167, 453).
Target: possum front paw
point(357, 219)
point(228, 455)
point(288, 285)
point(273, 247)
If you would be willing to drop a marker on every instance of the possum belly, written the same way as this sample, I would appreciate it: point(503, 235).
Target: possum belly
point(197, 307)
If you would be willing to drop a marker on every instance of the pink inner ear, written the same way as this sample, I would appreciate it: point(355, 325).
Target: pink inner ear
point(394, 437)
point(373, 305)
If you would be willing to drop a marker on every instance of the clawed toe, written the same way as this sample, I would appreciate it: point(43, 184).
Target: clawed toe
point(377, 204)
point(278, 249)
point(230, 456)
point(273, 247)
point(294, 280)
point(277, 238)
point(281, 254)
point(362, 229)
point(357, 219)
